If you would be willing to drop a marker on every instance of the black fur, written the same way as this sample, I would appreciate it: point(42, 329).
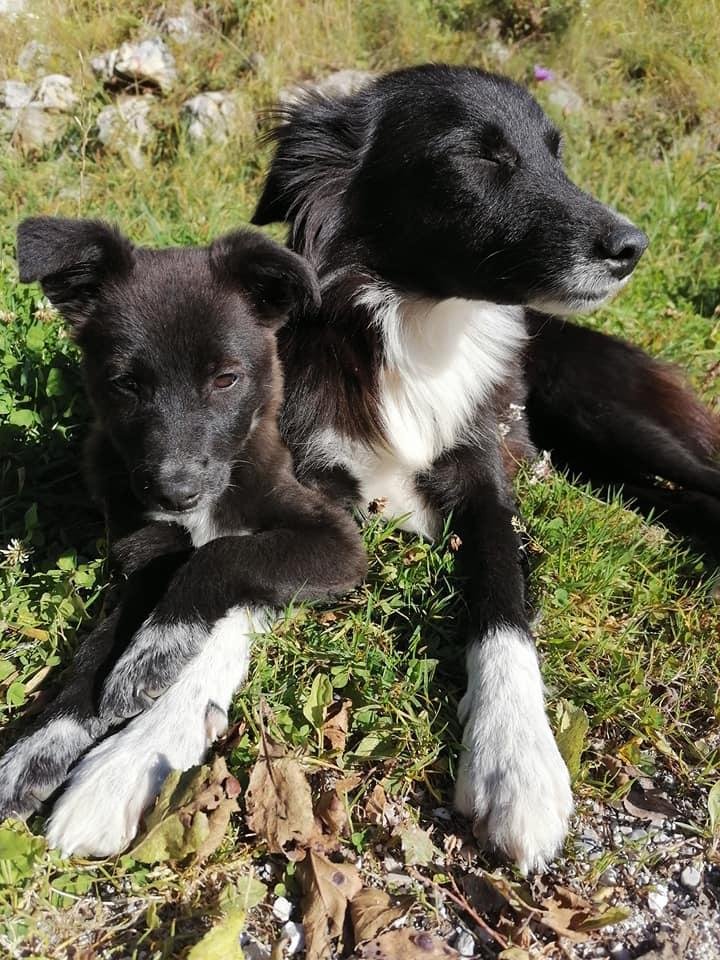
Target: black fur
point(180, 360)
point(447, 182)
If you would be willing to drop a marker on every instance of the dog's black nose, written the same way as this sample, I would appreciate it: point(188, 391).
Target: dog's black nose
point(621, 247)
point(177, 493)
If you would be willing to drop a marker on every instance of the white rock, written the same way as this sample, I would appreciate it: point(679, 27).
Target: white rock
point(252, 949)
point(691, 878)
point(211, 116)
point(14, 95)
point(33, 54)
point(32, 128)
point(339, 84)
point(282, 908)
point(146, 62)
point(465, 944)
point(56, 93)
point(658, 899)
point(123, 127)
point(294, 937)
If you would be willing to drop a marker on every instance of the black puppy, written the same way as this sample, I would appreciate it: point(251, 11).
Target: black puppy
point(210, 530)
point(434, 205)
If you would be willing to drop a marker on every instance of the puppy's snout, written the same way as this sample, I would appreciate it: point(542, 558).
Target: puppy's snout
point(621, 246)
point(178, 487)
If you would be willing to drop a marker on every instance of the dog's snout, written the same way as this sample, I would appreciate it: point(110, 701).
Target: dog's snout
point(621, 247)
point(178, 488)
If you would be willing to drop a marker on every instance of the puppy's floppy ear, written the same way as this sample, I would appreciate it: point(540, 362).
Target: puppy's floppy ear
point(276, 279)
point(71, 259)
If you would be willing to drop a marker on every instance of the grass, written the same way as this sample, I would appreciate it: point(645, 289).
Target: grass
point(629, 628)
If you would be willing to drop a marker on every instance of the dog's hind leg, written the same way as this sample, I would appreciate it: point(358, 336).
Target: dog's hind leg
point(610, 413)
point(99, 812)
point(37, 764)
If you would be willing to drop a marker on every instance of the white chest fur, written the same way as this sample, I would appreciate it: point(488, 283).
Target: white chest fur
point(442, 359)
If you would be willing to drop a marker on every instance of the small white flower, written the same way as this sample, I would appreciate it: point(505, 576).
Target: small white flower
point(15, 554)
point(44, 311)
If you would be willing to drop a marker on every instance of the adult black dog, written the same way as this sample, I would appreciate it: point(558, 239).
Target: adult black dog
point(435, 209)
point(209, 528)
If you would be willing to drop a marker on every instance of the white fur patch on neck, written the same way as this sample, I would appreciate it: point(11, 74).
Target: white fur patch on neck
point(442, 359)
point(200, 523)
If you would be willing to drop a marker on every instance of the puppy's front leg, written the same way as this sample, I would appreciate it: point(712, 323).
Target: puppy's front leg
point(35, 766)
point(316, 553)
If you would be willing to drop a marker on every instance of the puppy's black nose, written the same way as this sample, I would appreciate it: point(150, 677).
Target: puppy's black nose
point(178, 493)
point(621, 247)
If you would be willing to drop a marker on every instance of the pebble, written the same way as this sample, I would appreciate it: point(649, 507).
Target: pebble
point(15, 95)
point(32, 54)
point(691, 878)
point(124, 127)
point(658, 899)
point(147, 62)
point(608, 878)
point(282, 908)
point(55, 92)
point(294, 937)
point(465, 944)
point(341, 83)
point(618, 951)
point(211, 116)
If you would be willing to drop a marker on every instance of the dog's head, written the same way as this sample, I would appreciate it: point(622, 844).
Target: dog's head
point(178, 345)
point(448, 181)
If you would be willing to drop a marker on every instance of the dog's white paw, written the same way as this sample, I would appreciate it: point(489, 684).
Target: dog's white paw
point(99, 813)
point(512, 781)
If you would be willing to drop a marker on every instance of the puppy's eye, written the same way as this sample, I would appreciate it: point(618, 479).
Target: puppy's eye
point(225, 380)
point(126, 384)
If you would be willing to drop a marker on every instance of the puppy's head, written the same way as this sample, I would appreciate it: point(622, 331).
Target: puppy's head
point(178, 345)
point(453, 185)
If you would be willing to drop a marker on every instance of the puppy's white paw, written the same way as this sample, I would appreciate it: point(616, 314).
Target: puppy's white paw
point(99, 813)
point(512, 780)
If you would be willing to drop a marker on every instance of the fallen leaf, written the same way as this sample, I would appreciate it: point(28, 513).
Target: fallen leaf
point(223, 941)
point(514, 953)
point(190, 815)
point(373, 910)
point(336, 726)
point(331, 813)
point(246, 892)
point(407, 944)
point(417, 847)
point(327, 888)
point(375, 805)
point(279, 805)
point(649, 803)
point(571, 735)
point(713, 803)
point(610, 916)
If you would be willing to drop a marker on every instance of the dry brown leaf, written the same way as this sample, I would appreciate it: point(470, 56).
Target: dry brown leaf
point(332, 816)
point(372, 911)
point(336, 726)
point(407, 944)
point(279, 805)
point(649, 803)
point(327, 887)
point(375, 805)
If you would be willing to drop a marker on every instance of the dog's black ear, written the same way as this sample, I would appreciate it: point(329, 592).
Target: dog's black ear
point(71, 259)
point(276, 279)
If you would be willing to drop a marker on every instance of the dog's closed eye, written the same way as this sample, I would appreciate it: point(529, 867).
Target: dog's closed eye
point(126, 384)
point(224, 381)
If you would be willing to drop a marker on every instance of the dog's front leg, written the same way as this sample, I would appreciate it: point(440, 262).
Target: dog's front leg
point(37, 764)
point(512, 781)
point(315, 554)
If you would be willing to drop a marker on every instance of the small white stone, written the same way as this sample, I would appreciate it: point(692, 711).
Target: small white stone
point(55, 92)
point(691, 878)
point(294, 936)
point(15, 95)
point(658, 899)
point(282, 908)
point(33, 54)
point(465, 944)
point(123, 127)
point(147, 62)
point(211, 116)
point(341, 83)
